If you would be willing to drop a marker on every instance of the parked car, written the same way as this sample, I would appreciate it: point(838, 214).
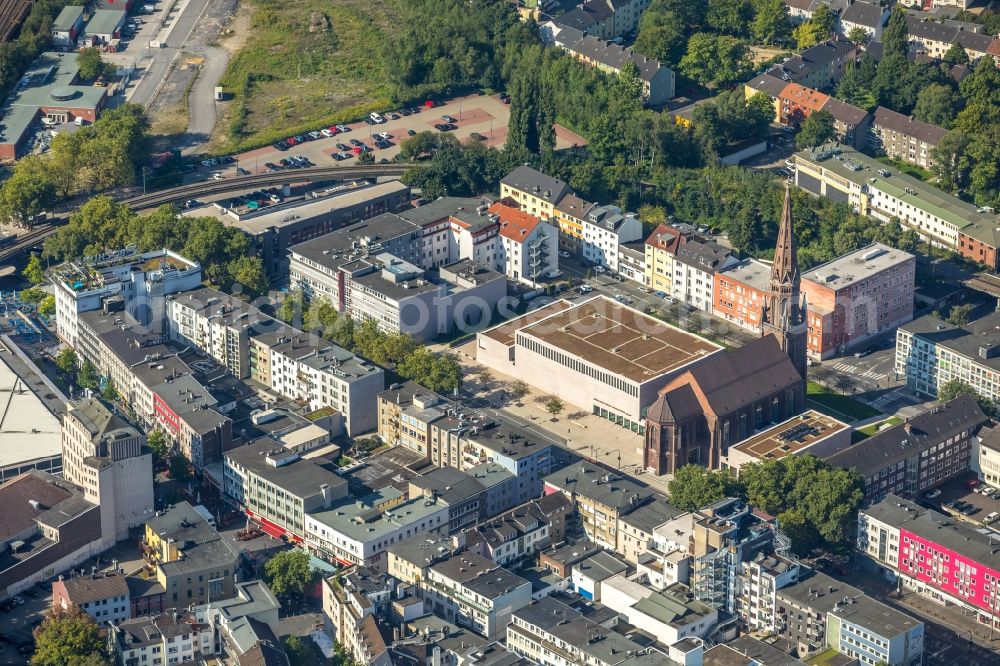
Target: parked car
point(241, 171)
point(444, 127)
point(217, 176)
point(448, 119)
point(342, 128)
point(385, 136)
point(564, 254)
point(291, 141)
point(193, 203)
point(476, 136)
point(270, 165)
point(275, 198)
point(586, 289)
point(660, 294)
point(382, 144)
point(315, 135)
point(340, 155)
point(326, 132)
point(411, 132)
point(343, 146)
point(933, 494)
point(356, 143)
point(208, 163)
point(376, 118)
point(19, 601)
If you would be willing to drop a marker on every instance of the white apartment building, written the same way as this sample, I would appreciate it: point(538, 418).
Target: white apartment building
point(632, 261)
point(757, 583)
point(215, 323)
point(695, 267)
point(474, 592)
point(669, 616)
point(107, 457)
point(162, 640)
point(931, 352)
point(605, 228)
point(358, 531)
point(119, 281)
point(529, 245)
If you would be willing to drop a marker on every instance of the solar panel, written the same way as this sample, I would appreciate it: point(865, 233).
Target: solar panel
point(797, 433)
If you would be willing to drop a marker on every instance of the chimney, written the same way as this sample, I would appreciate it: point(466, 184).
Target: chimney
point(908, 427)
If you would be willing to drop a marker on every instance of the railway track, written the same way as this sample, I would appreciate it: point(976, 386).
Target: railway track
point(194, 190)
point(12, 13)
point(240, 183)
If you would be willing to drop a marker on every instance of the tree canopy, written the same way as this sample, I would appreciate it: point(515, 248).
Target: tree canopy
point(289, 573)
point(816, 130)
point(69, 638)
point(694, 487)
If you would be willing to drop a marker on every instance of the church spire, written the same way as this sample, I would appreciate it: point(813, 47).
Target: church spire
point(785, 269)
point(784, 314)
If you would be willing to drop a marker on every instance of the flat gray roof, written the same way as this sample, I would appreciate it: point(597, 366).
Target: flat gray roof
point(301, 478)
point(856, 266)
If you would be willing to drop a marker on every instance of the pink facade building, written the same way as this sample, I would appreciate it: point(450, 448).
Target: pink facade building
point(932, 554)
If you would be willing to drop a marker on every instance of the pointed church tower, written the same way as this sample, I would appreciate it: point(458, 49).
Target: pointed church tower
point(784, 314)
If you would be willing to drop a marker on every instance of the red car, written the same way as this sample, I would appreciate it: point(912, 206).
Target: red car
point(357, 149)
point(333, 129)
point(430, 104)
point(292, 141)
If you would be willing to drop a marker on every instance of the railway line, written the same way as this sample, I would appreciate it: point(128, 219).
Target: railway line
point(38, 234)
point(242, 183)
point(12, 13)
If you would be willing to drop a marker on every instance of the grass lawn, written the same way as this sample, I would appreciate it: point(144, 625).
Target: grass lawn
point(306, 64)
point(909, 169)
point(825, 657)
point(837, 405)
point(871, 429)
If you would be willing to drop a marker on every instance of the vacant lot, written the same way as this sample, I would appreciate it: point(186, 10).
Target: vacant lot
point(306, 63)
point(836, 405)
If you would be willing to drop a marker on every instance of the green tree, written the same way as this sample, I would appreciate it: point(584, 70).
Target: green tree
point(249, 273)
point(855, 86)
point(694, 487)
point(68, 638)
point(302, 651)
point(731, 17)
point(366, 157)
point(771, 24)
point(289, 573)
point(896, 36)
point(956, 55)
point(47, 306)
point(110, 393)
point(518, 389)
point(66, 361)
point(158, 443)
point(661, 36)
point(858, 35)
point(937, 104)
point(34, 272)
point(816, 130)
point(88, 376)
point(960, 315)
point(90, 63)
point(819, 27)
point(29, 191)
point(180, 468)
point(715, 59)
point(554, 405)
point(439, 373)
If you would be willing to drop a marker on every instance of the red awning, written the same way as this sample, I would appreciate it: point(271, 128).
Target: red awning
point(273, 530)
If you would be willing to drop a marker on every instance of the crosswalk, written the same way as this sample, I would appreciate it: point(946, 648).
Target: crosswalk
point(886, 399)
point(867, 374)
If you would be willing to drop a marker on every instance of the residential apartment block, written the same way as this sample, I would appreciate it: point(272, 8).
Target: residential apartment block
point(740, 292)
point(103, 596)
point(695, 266)
point(294, 364)
point(924, 451)
point(380, 270)
point(119, 281)
point(277, 488)
point(931, 352)
point(192, 562)
point(858, 296)
point(605, 228)
point(529, 246)
point(932, 554)
point(871, 188)
point(658, 80)
point(668, 614)
point(661, 247)
point(904, 138)
point(475, 593)
point(536, 193)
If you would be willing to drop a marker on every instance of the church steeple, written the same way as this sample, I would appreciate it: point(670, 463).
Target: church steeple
point(784, 313)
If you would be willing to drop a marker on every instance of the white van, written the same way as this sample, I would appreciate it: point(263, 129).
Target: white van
point(376, 118)
point(991, 517)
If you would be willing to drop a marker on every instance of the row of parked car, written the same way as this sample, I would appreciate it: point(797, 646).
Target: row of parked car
point(325, 132)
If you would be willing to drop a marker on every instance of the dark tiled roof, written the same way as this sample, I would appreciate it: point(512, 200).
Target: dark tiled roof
point(674, 406)
point(526, 179)
point(601, 485)
point(768, 83)
point(615, 56)
point(705, 256)
point(897, 122)
point(819, 56)
point(84, 589)
point(574, 206)
point(16, 496)
point(906, 440)
point(863, 13)
point(744, 375)
point(844, 112)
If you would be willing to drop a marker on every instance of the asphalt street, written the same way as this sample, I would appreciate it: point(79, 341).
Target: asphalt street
point(162, 58)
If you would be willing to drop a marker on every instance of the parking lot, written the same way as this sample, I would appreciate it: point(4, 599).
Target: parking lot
point(484, 115)
point(961, 500)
